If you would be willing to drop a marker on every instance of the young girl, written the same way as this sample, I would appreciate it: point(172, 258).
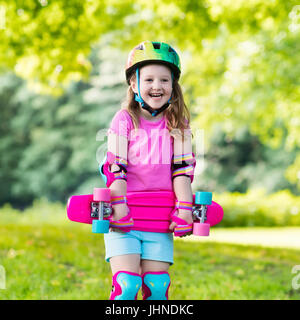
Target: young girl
point(149, 149)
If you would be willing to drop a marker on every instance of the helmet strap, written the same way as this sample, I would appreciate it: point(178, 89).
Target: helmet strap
point(138, 98)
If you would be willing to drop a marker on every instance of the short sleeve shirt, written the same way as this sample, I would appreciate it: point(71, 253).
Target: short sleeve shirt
point(150, 152)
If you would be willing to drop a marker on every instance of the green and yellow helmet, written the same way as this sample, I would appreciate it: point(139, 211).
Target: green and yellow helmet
point(153, 52)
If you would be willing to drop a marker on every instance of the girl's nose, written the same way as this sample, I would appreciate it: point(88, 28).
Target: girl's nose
point(156, 84)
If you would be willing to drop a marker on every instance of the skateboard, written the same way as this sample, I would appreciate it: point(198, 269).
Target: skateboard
point(150, 210)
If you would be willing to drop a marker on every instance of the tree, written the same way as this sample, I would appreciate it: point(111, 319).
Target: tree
point(48, 42)
point(239, 57)
point(49, 144)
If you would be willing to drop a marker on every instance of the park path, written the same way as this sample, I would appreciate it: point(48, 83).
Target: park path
point(285, 237)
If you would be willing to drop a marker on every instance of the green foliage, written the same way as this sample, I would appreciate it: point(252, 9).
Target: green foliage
point(242, 162)
point(48, 145)
point(250, 78)
point(239, 61)
point(257, 208)
point(293, 172)
point(41, 212)
point(239, 71)
point(48, 42)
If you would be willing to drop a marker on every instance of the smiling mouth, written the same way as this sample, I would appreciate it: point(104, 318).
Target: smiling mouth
point(156, 95)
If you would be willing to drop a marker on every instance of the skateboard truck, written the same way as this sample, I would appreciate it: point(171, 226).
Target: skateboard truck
point(202, 200)
point(96, 207)
point(100, 209)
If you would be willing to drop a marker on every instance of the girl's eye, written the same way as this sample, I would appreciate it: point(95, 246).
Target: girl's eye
point(150, 80)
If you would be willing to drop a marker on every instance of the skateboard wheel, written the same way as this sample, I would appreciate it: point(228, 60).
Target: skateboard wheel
point(100, 226)
point(203, 198)
point(201, 229)
point(101, 194)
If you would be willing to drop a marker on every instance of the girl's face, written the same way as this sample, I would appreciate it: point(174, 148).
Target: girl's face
point(155, 85)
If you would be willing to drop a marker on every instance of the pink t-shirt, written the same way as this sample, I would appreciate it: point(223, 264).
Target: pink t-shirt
point(150, 151)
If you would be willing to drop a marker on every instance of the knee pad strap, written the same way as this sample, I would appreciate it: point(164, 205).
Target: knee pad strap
point(156, 285)
point(125, 285)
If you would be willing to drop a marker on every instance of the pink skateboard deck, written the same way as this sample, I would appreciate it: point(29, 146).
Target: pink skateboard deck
point(150, 210)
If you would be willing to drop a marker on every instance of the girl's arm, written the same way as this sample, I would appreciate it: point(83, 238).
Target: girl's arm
point(118, 146)
point(182, 184)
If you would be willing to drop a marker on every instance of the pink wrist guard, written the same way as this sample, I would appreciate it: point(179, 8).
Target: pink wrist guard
point(185, 205)
point(124, 223)
point(118, 200)
point(182, 227)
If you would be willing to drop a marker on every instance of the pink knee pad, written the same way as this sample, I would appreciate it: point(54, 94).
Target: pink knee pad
point(126, 286)
point(156, 285)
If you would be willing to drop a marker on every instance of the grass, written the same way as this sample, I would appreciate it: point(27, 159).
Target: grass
point(57, 259)
point(274, 237)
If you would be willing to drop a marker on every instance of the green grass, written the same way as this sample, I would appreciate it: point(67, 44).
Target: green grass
point(56, 259)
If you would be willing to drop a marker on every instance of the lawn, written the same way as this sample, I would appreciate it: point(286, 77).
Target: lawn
point(58, 259)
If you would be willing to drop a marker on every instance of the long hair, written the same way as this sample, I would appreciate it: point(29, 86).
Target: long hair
point(177, 114)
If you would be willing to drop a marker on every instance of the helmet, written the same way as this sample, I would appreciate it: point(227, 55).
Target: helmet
point(149, 52)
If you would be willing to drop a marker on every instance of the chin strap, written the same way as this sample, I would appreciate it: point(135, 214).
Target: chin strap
point(138, 98)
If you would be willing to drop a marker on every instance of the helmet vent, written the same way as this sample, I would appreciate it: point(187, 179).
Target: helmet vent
point(156, 45)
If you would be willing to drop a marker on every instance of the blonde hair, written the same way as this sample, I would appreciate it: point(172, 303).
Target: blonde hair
point(177, 114)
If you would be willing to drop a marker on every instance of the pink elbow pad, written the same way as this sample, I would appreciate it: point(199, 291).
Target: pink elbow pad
point(108, 176)
point(184, 165)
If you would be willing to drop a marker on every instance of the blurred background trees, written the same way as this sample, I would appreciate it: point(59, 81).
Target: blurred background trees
point(62, 79)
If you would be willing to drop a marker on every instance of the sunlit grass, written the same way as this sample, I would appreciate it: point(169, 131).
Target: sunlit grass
point(64, 260)
point(274, 237)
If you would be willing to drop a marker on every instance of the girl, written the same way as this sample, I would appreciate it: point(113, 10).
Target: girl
point(149, 149)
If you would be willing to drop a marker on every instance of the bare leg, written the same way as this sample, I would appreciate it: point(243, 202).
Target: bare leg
point(126, 262)
point(155, 266)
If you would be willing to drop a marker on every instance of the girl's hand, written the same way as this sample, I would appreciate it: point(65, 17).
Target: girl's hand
point(119, 211)
point(185, 215)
